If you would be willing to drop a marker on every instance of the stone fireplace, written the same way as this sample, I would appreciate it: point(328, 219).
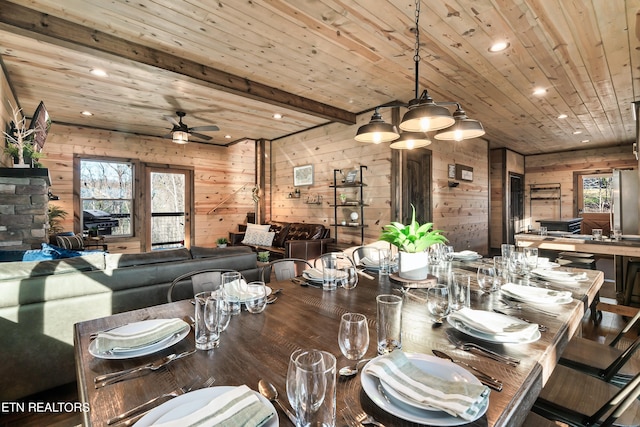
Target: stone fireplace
point(24, 204)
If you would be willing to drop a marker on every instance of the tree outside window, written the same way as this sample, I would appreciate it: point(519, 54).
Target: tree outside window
point(596, 193)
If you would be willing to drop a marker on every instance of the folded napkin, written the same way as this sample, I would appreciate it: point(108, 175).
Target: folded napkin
point(495, 324)
point(132, 338)
point(536, 295)
point(457, 398)
point(560, 275)
point(237, 407)
point(313, 273)
point(368, 262)
point(465, 254)
point(237, 288)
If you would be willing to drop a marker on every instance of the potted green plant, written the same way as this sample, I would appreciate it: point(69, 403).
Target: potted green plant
point(412, 240)
point(263, 256)
point(222, 242)
point(56, 215)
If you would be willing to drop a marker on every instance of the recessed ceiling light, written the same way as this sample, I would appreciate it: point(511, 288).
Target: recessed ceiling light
point(87, 113)
point(499, 46)
point(98, 72)
point(228, 136)
point(577, 132)
point(562, 116)
point(539, 91)
point(277, 116)
point(584, 140)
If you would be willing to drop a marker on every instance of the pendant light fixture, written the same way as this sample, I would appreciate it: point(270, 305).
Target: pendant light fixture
point(423, 115)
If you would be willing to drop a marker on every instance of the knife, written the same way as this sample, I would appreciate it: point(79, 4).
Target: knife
point(110, 378)
point(484, 378)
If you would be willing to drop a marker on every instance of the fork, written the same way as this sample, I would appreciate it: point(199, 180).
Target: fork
point(479, 350)
point(361, 417)
point(518, 306)
point(151, 403)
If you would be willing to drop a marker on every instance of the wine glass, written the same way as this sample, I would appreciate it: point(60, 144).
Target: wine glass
point(530, 256)
point(485, 278)
point(353, 335)
point(438, 302)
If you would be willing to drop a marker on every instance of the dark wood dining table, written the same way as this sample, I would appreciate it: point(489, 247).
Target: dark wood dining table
point(256, 346)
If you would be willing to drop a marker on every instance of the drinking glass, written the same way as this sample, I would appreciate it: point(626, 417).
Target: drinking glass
point(389, 330)
point(256, 297)
point(348, 277)
point(459, 291)
point(447, 252)
point(499, 264)
point(485, 278)
point(506, 250)
point(211, 319)
point(438, 302)
point(316, 388)
point(384, 258)
point(597, 233)
point(291, 378)
point(231, 290)
point(543, 230)
point(530, 256)
point(353, 335)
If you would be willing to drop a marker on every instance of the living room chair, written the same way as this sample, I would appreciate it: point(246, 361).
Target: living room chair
point(201, 280)
point(577, 399)
point(284, 268)
point(606, 362)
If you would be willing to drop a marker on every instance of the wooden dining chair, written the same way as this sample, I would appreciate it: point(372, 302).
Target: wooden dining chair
point(605, 361)
point(578, 399)
point(201, 280)
point(285, 268)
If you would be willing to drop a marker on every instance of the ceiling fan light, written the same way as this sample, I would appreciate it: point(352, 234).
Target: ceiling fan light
point(180, 137)
point(376, 131)
point(410, 140)
point(426, 117)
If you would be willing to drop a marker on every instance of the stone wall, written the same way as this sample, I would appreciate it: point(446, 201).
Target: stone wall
point(24, 203)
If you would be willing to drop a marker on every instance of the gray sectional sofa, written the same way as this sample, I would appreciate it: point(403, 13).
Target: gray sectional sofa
point(40, 301)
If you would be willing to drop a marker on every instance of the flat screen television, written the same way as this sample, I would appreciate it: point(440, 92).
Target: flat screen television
point(41, 123)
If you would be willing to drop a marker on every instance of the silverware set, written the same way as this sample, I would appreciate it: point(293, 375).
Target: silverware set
point(482, 351)
point(541, 327)
point(484, 378)
point(519, 306)
point(355, 418)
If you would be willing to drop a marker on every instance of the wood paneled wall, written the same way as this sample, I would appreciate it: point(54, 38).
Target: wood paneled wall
point(6, 116)
point(219, 172)
point(561, 168)
point(462, 212)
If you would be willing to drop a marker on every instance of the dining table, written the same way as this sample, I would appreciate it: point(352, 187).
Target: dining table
point(258, 346)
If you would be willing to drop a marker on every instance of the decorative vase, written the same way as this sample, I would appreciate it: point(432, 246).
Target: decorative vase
point(413, 266)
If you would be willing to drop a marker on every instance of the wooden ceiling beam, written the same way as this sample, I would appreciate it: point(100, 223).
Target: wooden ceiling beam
point(68, 34)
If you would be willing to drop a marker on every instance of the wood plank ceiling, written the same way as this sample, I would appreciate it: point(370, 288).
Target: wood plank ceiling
point(236, 63)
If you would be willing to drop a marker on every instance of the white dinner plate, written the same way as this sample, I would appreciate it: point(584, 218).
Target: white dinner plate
point(467, 257)
point(140, 351)
point(460, 326)
point(191, 402)
point(316, 275)
point(557, 301)
point(432, 365)
point(559, 276)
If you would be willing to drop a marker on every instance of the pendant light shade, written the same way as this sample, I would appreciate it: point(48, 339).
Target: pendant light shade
point(180, 137)
point(377, 131)
point(463, 128)
point(424, 116)
point(410, 140)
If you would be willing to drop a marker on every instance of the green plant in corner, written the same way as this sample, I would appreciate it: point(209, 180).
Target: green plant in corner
point(56, 215)
point(413, 237)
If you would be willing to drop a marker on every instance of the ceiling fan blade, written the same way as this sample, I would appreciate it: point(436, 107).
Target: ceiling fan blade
point(209, 128)
point(168, 136)
point(171, 120)
point(201, 136)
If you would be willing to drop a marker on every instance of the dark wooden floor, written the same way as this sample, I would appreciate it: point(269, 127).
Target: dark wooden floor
point(603, 332)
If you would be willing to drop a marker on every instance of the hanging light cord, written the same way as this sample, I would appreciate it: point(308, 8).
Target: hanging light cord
point(416, 56)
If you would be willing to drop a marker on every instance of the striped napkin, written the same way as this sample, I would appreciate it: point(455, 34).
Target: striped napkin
point(132, 338)
point(457, 398)
point(494, 324)
point(235, 408)
point(536, 295)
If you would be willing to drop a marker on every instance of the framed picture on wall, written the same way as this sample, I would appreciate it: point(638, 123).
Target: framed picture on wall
point(303, 175)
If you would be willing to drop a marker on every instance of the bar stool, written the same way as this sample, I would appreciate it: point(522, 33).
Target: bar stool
point(633, 267)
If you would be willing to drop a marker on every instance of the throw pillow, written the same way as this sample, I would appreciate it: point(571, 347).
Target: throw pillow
point(70, 242)
point(258, 227)
point(258, 238)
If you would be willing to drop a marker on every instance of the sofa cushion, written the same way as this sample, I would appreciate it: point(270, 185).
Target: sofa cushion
point(258, 238)
point(302, 231)
point(30, 269)
point(258, 227)
point(154, 257)
point(70, 242)
point(281, 229)
point(202, 252)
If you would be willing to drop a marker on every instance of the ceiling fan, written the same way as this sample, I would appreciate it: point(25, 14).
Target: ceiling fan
point(180, 131)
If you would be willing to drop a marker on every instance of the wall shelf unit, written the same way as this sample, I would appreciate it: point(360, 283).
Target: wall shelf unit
point(356, 205)
point(552, 191)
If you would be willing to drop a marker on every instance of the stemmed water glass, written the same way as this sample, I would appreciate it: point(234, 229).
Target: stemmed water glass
point(530, 259)
point(353, 335)
point(438, 302)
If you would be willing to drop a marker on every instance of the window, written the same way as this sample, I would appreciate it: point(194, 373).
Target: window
point(596, 193)
point(106, 196)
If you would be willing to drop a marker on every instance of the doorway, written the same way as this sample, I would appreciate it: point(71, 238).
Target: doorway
point(515, 207)
point(416, 185)
point(169, 208)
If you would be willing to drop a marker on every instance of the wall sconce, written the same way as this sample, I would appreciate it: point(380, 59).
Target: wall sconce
point(453, 184)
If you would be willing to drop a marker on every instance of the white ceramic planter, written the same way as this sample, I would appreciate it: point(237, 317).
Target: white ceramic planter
point(413, 266)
